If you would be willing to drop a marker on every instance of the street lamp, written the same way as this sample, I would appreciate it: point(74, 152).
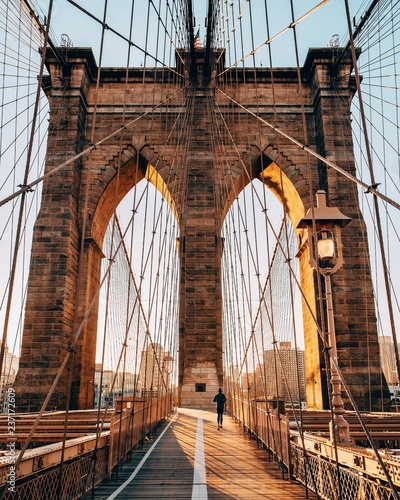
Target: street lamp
point(325, 248)
point(168, 366)
point(87, 392)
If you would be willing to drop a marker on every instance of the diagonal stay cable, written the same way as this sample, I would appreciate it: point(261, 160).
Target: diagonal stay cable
point(133, 44)
point(42, 30)
point(367, 187)
point(88, 150)
point(270, 40)
point(157, 12)
point(233, 29)
point(63, 365)
point(318, 327)
point(20, 221)
point(333, 360)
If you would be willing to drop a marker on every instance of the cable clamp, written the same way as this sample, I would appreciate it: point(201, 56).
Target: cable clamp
point(27, 188)
point(372, 186)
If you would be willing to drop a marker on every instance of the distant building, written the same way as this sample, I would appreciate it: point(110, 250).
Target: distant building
point(284, 367)
point(388, 360)
point(8, 374)
point(152, 375)
point(151, 381)
point(124, 383)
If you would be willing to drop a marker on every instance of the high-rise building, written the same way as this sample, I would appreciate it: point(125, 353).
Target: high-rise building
point(152, 375)
point(285, 373)
point(388, 359)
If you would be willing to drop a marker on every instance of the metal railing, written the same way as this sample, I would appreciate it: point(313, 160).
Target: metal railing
point(356, 475)
point(269, 426)
point(88, 460)
point(79, 474)
point(330, 481)
point(129, 428)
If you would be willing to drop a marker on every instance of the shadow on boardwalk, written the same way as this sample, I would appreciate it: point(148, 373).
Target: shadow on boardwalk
point(234, 466)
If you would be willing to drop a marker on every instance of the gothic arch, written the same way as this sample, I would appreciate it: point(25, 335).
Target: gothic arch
point(59, 264)
point(116, 187)
point(280, 176)
point(130, 174)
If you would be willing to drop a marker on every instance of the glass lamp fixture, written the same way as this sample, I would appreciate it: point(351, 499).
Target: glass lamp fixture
point(324, 226)
point(168, 364)
point(325, 245)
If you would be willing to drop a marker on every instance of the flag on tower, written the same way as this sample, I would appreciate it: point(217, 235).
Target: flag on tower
point(197, 43)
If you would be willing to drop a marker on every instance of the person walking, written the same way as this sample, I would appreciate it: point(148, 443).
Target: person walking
point(220, 399)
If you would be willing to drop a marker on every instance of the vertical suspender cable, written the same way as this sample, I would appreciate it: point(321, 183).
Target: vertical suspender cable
point(373, 182)
point(23, 195)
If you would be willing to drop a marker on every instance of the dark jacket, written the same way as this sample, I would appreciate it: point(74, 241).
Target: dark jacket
point(220, 399)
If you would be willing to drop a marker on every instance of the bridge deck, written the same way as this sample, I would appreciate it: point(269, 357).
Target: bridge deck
point(192, 459)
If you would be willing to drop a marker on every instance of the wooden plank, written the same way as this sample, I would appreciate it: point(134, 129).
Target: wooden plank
point(235, 467)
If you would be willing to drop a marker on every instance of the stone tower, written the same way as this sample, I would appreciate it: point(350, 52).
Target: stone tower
point(69, 231)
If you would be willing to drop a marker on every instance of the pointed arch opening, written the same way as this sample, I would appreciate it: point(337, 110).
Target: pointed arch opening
point(132, 258)
point(268, 290)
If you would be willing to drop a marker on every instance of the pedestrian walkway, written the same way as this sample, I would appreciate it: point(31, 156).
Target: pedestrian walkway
point(190, 459)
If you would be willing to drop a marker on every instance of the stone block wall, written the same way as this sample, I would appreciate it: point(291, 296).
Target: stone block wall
point(78, 201)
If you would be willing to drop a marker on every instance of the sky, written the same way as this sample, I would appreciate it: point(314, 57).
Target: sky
point(316, 30)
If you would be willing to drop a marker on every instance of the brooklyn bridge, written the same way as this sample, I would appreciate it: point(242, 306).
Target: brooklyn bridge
point(200, 196)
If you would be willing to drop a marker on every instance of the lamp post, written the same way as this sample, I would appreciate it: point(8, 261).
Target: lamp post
point(87, 392)
point(325, 247)
point(313, 382)
point(168, 366)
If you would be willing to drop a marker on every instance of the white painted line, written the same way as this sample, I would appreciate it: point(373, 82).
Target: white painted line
point(140, 465)
point(199, 491)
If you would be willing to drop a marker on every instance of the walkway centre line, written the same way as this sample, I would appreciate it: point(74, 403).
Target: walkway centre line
point(199, 491)
point(141, 463)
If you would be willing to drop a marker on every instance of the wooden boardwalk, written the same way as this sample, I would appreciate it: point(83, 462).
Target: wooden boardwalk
point(193, 460)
